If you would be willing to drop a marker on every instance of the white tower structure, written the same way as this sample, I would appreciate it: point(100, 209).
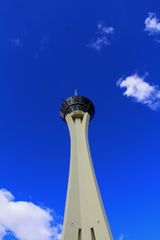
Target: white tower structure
point(85, 217)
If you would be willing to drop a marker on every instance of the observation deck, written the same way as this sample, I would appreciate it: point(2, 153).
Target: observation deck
point(77, 106)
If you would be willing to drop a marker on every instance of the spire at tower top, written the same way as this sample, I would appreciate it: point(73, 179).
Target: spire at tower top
point(75, 92)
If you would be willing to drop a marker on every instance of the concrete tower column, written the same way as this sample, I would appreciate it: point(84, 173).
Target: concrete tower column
point(85, 217)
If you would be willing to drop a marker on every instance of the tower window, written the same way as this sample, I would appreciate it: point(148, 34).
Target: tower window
point(79, 234)
point(93, 234)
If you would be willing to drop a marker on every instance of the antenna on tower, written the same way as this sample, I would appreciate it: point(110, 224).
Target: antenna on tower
point(75, 92)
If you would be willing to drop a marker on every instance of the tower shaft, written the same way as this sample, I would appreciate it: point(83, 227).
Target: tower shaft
point(85, 217)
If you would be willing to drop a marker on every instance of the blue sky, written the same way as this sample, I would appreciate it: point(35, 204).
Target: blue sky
point(109, 51)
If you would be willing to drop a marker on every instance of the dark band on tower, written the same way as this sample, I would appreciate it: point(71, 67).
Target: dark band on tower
point(77, 104)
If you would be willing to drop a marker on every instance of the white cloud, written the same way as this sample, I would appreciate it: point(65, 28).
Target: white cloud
point(2, 231)
point(103, 37)
point(42, 46)
point(99, 43)
point(25, 220)
point(152, 24)
point(141, 91)
point(104, 29)
point(121, 237)
point(15, 42)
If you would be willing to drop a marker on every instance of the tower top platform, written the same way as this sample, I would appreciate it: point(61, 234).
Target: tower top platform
point(77, 105)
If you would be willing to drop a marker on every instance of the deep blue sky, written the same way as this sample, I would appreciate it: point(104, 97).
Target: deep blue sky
point(44, 56)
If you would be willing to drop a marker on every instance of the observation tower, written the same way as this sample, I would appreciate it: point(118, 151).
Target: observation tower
point(85, 217)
